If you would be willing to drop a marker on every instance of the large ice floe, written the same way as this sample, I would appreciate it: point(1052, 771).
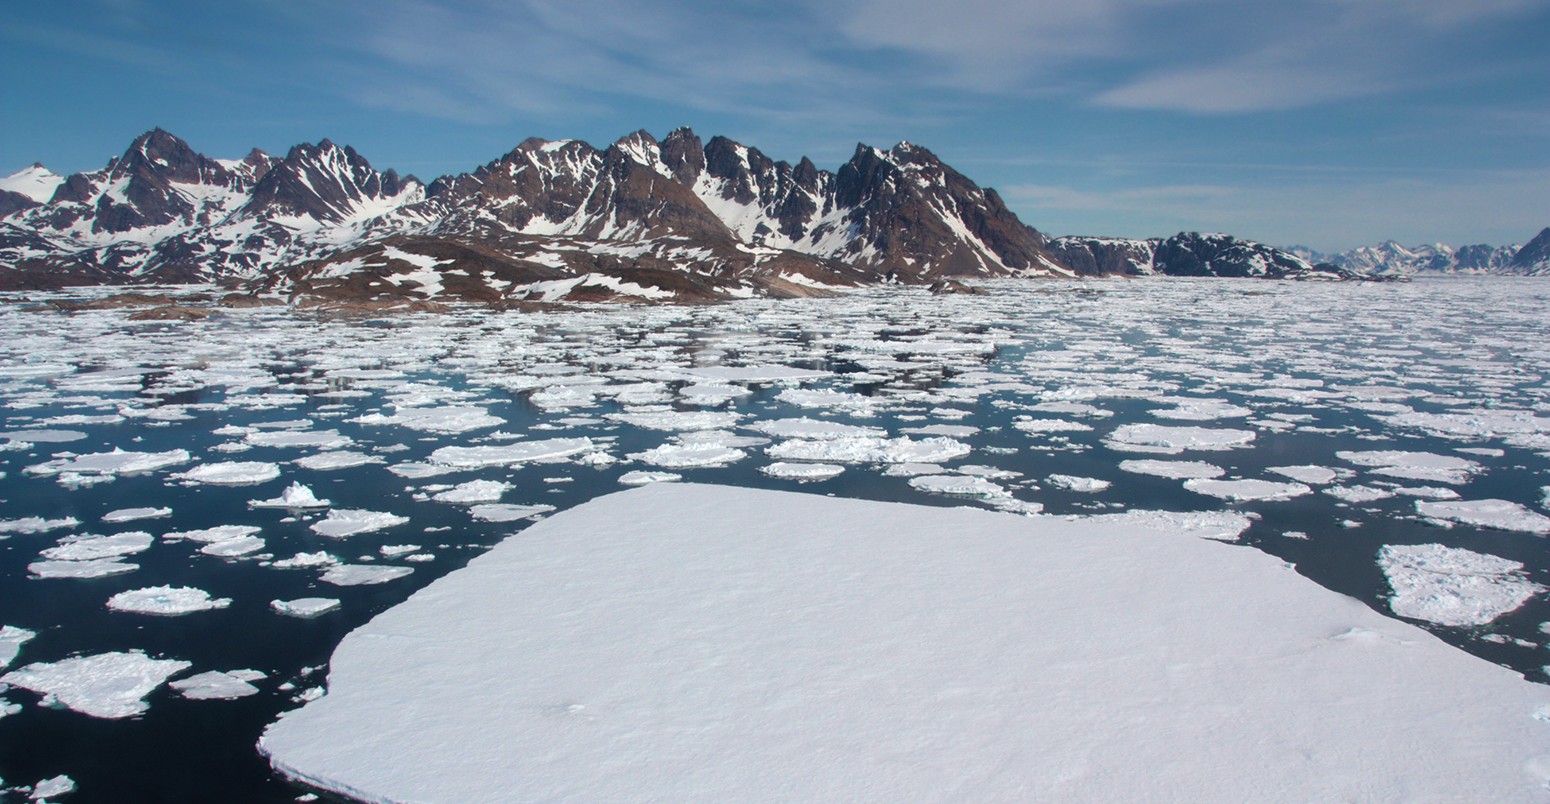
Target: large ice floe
point(665, 645)
point(105, 685)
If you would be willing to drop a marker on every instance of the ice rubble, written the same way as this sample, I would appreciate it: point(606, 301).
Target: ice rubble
point(1075, 483)
point(166, 600)
point(105, 685)
point(1451, 585)
point(296, 495)
point(832, 648)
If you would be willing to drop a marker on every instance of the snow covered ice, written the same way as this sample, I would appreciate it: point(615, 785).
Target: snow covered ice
point(695, 651)
point(166, 600)
point(105, 685)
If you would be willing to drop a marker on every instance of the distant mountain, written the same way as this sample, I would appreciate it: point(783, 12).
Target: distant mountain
point(550, 220)
point(1189, 254)
point(1391, 259)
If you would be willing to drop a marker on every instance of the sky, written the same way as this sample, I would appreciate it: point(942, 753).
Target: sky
point(1324, 123)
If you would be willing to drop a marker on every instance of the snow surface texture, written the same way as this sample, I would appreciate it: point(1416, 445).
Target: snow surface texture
point(669, 646)
point(1451, 585)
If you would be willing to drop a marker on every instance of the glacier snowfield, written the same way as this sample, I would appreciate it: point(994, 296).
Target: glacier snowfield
point(193, 515)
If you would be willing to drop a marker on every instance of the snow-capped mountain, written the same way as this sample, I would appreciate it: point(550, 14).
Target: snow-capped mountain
point(1188, 254)
point(1392, 259)
point(548, 220)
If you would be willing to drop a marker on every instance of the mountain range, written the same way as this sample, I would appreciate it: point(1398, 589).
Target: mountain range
point(642, 219)
point(1391, 259)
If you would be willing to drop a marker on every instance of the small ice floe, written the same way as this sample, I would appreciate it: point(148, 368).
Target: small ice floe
point(336, 459)
point(474, 491)
point(871, 449)
point(296, 495)
point(133, 514)
point(104, 685)
point(306, 560)
point(96, 568)
point(689, 456)
point(305, 607)
point(1247, 490)
point(1414, 465)
point(1040, 426)
point(802, 471)
point(342, 522)
point(711, 395)
point(1075, 483)
point(507, 454)
point(676, 420)
point(317, 439)
point(1313, 475)
point(87, 547)
point(829, 399)
point(42, 436)
point(1223, 526)
point(219, 533)
point(396, 550)
point(721, 438)
point(1174, 440)
point(166, 600)
point(1484, 452)
point(362, 574)
point(230, 473)
point(1495, 514)
point(958, 485)
point(1199, 410)
point(11, 641)
point(753, 374)
point(1452, 586)
point(108, 465)
point(641, 478)
point(1428, 492)
point(813, 429)
point(233, 548)
point(450, 420)
point(1173, 470)
point(948, 430)
point(419, 471)
point(52, 787)
point(913, 469)
point(218, 686)
point(505, 512)
point(36, 524)
point(1358, 494)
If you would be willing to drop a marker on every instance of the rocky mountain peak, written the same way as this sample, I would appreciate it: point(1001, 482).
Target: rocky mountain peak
point(1534, 257)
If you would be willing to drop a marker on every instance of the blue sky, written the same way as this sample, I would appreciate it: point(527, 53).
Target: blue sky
point(1330, 123)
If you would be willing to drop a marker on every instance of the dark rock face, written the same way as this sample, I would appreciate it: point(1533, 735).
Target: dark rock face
point(1196, 254)
point(1105, 256)
point(11, 202)
point(1534, 258)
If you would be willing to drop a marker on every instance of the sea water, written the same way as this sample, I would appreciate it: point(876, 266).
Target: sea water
point(1028, 398)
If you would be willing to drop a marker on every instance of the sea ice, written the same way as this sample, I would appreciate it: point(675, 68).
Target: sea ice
point(1173, 440)
point(105, 685)
point(450, 420)
point(305, 607)
point(1075, 483)
point(88, 547)
point(230, 473)
point(676, 420)
point(506, 512)
point(166, 600)
point(337, 459)
point(958, 485)
point(11, 641)
point(318, 439)
point(233, 548)
point(1246, 490)
point(362, 574)
point(296, 495)
point(1315, 475)
point(218, 686)
point(1451, 585)
point(802, 471)
point(694, 651)
point(219, 533)
point(871, 449)
point(813, 429)
point(52, 787)
point(305, 560)
point(1051, 426)
point(1414, 465)
point(1200, 410)
point(1173, 470)
point(95, 568)
point(106, 465)
point(1497, 514)
point(342, 522)
point(474, 491)
point(689, 456)
point(507, 454)
point(641, 478)
point(132, 514)
point(1358, 494)
point(36, 524)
